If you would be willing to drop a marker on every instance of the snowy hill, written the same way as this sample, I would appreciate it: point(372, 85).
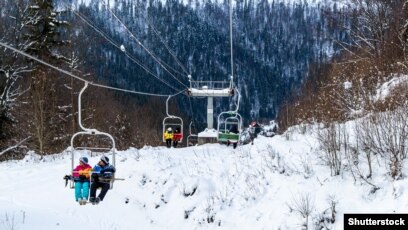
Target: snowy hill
point(258, 186)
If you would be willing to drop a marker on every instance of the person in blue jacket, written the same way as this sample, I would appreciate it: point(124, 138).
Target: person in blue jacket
point(102, 174)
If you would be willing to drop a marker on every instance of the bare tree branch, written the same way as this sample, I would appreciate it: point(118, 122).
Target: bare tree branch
point(15, 146)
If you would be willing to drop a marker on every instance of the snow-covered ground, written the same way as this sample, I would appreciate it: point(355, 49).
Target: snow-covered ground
point(200, 187)
point(384, 90)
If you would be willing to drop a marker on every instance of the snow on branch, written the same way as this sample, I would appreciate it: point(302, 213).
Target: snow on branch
point(15, 146)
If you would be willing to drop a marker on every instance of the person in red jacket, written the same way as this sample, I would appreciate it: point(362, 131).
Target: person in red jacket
point(82, 175)
point(177, 136)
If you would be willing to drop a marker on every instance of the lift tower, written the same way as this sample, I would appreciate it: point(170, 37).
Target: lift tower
point(210, 89)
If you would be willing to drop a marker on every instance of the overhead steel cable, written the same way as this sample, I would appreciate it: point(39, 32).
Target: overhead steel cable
point(167, 47)
point(230, 30)
point(110, 40)
point(191, 109)
point(141, 44)
point(171, 68)
point(82, 79)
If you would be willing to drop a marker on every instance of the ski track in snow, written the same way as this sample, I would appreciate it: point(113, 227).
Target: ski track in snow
point(250, 187)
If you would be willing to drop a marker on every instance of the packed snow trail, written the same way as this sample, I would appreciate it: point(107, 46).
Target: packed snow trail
point(201, 187)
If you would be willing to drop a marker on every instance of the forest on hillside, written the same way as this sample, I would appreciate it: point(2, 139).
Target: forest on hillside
point(347, 87)
point(278, 49)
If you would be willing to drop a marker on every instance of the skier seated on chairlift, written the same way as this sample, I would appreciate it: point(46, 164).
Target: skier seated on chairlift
point(233, 129)
point(102, 175)
point(81, 176)
point(168, 136)
point(177, 136)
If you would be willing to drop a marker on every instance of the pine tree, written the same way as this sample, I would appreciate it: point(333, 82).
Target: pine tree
point(43, 29)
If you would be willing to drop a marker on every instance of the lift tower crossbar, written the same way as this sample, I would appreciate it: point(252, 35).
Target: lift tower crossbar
point(210, 89)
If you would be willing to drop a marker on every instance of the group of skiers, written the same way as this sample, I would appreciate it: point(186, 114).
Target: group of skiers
point(171, 136)
point(100, 176)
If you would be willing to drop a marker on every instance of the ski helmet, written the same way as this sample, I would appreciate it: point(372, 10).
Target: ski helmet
point(105, 160)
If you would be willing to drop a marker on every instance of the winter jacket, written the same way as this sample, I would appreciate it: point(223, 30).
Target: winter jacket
point(177, 136)
point(106, 171)
point(234, 129)
point(82, 170)
point(168, 135)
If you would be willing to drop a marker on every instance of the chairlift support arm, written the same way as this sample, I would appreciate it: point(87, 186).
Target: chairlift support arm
point(87, 131)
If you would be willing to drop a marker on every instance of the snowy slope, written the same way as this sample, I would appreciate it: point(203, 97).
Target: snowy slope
point(202, 187)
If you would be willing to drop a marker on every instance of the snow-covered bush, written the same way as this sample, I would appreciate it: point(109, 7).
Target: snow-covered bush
point(11, 221)
point(333, 141)
point(386, 134)
point(325, 219)
point(303, 204)
point(307, 166)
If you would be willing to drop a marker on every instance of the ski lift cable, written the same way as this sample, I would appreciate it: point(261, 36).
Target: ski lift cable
point(231, 46)
point(191, 107)
point(110, 40)
point(167, 47)
point(149, 71)
point(140, 43)
point(82, 79)
point(127, 54)
point(164, 65)
point(192, 114)
point(87, 21)
point(232, 60)
point(239, 99)
point(170, 68)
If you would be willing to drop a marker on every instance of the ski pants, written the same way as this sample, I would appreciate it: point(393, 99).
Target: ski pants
point(168, 143)
point(81, 190)
point(95, 185)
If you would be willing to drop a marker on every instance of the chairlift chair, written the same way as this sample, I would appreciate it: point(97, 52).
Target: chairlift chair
point(192, 139)
point(105, 151)
point(90, 132)
point(226, 120)
point(173, 122)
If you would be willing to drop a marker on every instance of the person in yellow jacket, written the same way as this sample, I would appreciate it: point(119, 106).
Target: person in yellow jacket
point(168, 136)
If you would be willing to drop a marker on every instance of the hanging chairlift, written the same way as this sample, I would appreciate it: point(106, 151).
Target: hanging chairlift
point(173, 122)
point(90, 132)
point(192, 139)
point(230, 126)
point(211, 89)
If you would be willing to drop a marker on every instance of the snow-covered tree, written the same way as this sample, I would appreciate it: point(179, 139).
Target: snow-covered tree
point(43, 30)
point(44, 33)
point(12, 66)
